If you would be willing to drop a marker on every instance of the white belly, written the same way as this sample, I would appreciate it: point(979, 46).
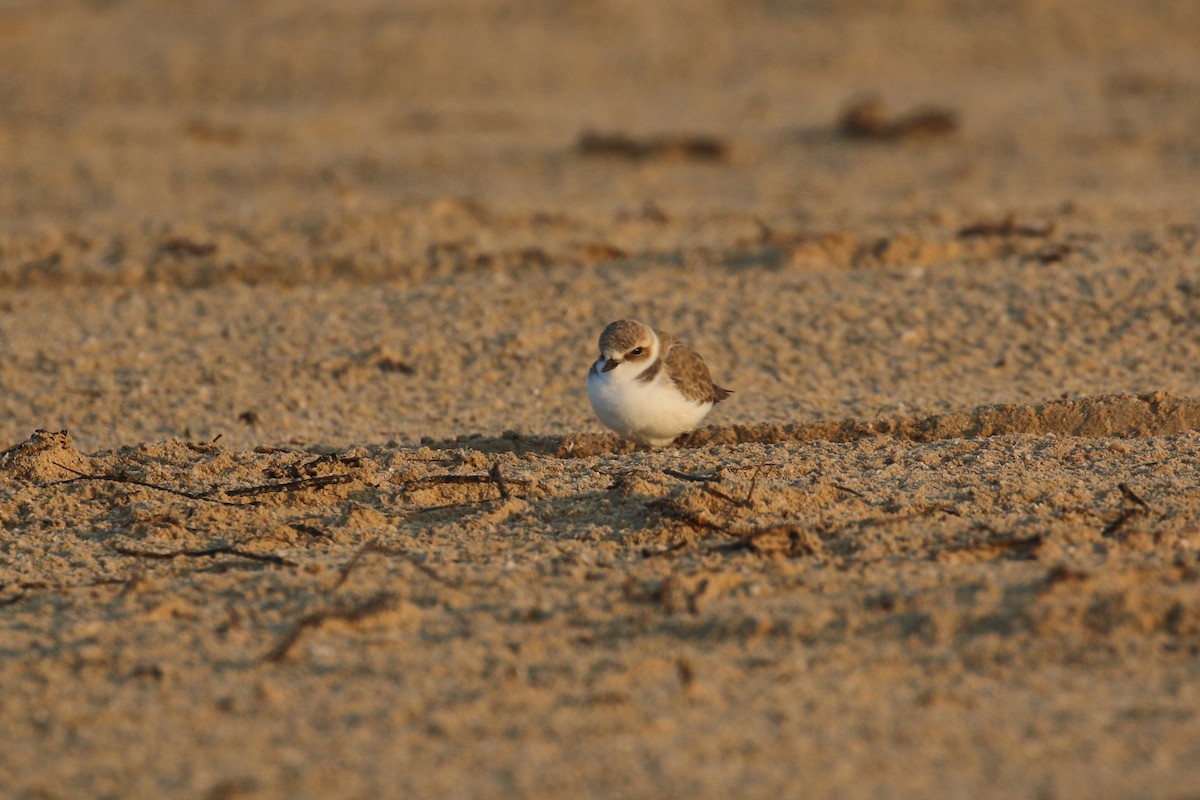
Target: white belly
point(647, 413)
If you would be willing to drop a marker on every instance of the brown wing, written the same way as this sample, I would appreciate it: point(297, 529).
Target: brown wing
point(691, 375)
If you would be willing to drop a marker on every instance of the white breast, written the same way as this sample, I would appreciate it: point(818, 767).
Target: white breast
point(652, 413)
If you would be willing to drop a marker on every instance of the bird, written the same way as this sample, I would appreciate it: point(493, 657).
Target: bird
point(648, 386)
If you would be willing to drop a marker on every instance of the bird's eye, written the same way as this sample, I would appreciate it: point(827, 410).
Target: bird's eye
point(637, 351)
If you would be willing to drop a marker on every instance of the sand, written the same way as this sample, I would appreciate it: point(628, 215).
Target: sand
point(300, 494)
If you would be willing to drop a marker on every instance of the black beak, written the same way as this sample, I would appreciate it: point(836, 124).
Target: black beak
point(611, 364)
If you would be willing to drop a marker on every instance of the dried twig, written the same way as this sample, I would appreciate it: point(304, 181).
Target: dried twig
point(715, 492)
point(207, 496)
point(665, 551)
point(1140, 507)
point(373, 546)
point(683, 476)
point(311, 530)
point(325, 458)
point(753, 485)
point(918, 510)
point(867, 119)
point(289, 486)
point(1111, 528)
point(1060, 574)
point(494, 474)
point(207, 552)
point(1005, 227)
point(787, 540)
point(1027, 544)
point(437, 480)
point(460, 504)
point(1131, 496)
point(695, 522)
point(23, 588)
point(115, 477)
point(699, 148)
point(374, 605)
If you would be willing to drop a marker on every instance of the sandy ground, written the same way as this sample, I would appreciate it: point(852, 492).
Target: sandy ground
point(314, 292)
